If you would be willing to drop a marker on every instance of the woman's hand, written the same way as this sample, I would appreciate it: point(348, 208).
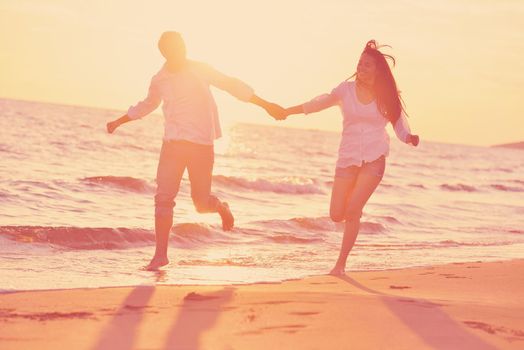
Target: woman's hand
point(413, 139)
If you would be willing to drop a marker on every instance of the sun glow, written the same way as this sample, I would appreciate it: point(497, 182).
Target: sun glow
point(449, 61)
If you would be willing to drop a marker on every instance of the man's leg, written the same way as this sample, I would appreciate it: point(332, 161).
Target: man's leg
point(171, 167)
point(200, 169)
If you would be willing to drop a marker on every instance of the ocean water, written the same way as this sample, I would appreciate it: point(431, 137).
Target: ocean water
point(76, 204)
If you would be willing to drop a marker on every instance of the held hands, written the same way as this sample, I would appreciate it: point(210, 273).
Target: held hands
point(273, 109)
point(276, 111)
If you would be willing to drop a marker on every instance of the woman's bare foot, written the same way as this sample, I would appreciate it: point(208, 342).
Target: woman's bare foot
point(156, 263)
point(338, 271)
point(228, 221)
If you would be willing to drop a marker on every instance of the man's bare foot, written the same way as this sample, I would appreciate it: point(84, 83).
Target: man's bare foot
point(228, 221)
point(156, 263)
point(338, 271)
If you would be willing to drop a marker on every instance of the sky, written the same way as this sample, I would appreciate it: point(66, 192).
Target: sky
point(459, 62)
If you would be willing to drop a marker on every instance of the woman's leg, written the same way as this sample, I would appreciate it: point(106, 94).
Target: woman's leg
point(171, 167)
point(200, 169)
point(369, 177)
point(342, 187)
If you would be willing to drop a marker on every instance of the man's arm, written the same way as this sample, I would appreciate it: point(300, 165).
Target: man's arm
point(240, 90)
point(141, 109)
point(112, 125)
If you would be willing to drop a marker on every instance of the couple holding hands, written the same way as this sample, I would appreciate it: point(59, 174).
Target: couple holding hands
point(368, 102)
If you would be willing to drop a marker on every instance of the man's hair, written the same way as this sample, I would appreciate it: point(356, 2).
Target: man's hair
point(171, 43)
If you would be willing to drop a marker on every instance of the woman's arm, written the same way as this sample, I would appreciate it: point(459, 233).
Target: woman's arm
point(298, 109)
point(403, 131)
point(317, 104)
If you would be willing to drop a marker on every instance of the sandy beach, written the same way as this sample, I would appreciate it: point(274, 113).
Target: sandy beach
point(458, 306)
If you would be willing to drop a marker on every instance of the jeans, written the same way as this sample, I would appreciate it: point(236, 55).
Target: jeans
point(175, 157)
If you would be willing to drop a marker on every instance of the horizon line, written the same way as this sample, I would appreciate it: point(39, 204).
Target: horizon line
point(65, 104)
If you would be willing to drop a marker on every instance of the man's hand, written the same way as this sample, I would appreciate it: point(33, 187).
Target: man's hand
point(111, 126)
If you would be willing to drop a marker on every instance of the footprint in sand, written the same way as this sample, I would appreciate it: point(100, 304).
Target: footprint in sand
point(450, 275)
point(275, 302)
point(399, 287)
point(46, 316)
point(304, 313)
point(421, 303)
point(136, 307)
point(199, 297)
point(251, 316)
point(290, 329)
point(491, 329)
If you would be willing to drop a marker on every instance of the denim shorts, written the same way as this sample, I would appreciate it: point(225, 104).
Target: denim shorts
point(375, 168)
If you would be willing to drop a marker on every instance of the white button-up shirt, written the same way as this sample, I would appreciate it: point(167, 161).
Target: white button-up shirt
point(189, 108)
point(364, 136)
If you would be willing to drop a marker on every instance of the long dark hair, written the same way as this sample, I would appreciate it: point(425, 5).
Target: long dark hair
point(388, 98)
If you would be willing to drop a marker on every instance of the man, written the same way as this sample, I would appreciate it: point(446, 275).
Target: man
point(191, 126)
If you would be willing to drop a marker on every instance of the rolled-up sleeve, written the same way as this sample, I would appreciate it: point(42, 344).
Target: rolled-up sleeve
point(233, 86)
point(148, 105)
point(402, 129)
point(322, 102)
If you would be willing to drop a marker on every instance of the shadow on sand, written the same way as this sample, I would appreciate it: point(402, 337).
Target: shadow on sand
point(121, 331)
point(427, 320)
point(197, 314)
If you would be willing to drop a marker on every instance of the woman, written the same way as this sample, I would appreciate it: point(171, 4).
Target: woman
point(191, 126)
point(368, 103)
